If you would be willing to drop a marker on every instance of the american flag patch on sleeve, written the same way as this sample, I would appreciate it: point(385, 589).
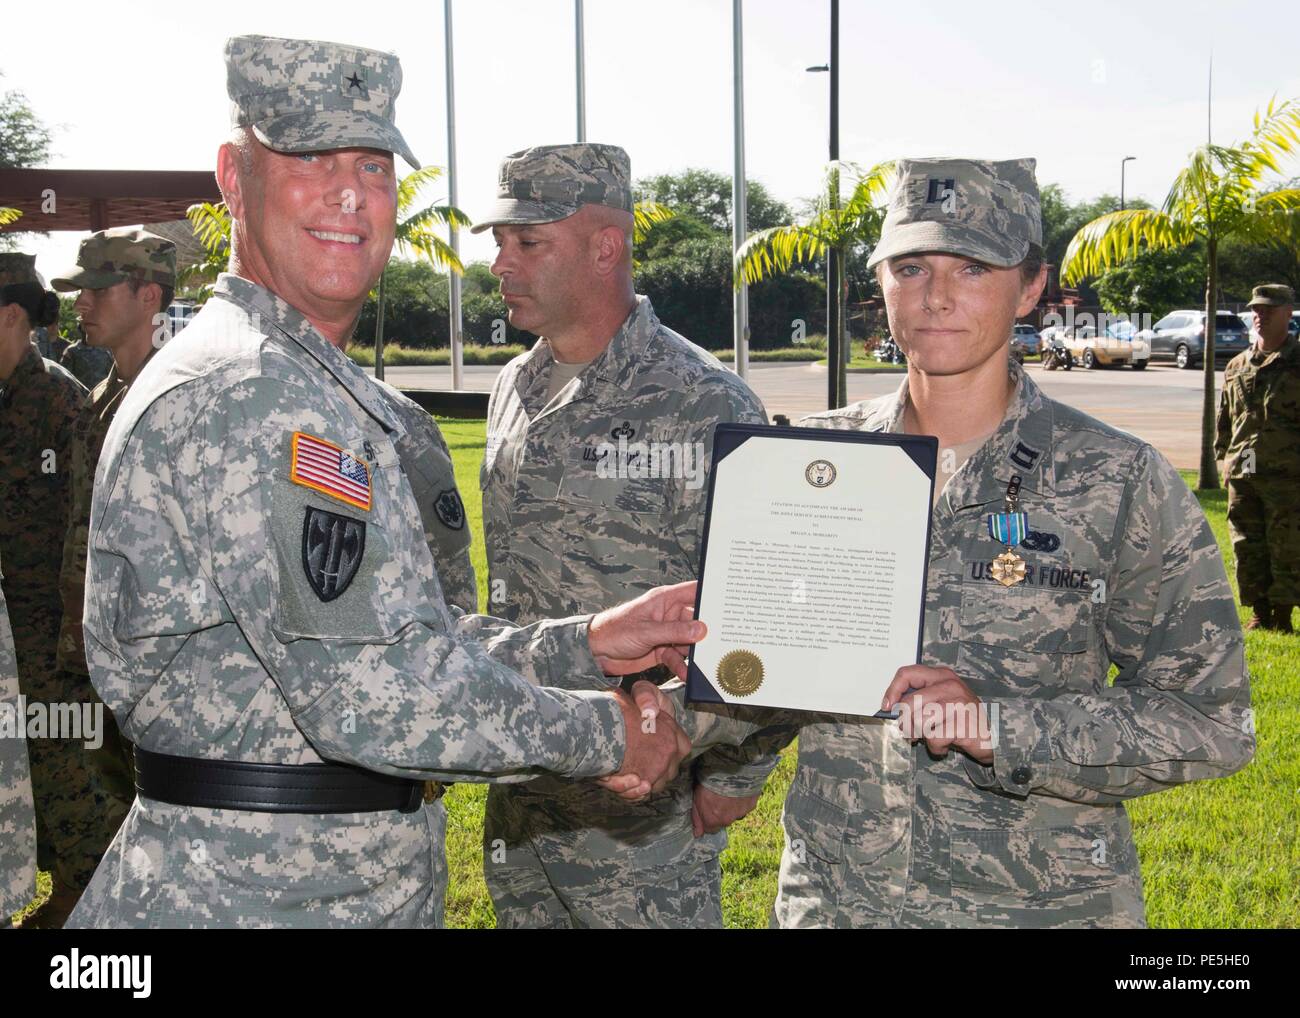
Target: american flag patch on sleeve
point(329, 469)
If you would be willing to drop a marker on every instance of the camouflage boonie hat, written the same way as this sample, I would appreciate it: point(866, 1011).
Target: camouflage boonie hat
point(114, 256)
point(302, 95)
point(551, 182)
point(988, 211)
point(1272, 295)
point(16, 267)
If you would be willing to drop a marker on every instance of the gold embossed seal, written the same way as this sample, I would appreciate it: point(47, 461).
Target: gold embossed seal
point(740, 672)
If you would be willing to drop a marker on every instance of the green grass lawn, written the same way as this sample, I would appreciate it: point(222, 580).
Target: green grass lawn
point(1214, 853)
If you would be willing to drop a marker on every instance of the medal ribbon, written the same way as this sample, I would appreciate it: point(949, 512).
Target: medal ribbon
point(1010, 526)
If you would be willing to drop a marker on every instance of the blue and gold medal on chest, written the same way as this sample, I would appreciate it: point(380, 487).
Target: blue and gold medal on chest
point(1009, 528)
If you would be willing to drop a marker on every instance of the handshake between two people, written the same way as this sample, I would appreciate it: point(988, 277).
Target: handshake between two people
point(656, 628)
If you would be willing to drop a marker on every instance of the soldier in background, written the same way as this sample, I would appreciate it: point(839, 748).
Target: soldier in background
point(89, 364)
point(126, 278)
point(17, 822)
point(1259, 441)
point(1016, 818)
point(574, 518)
point(39, 403)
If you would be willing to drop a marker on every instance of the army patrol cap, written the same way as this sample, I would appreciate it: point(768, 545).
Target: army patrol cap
point(16, 267)
point(974, 208)
point(302, 95)
point(114, 256)
point(551, 182)
point(1272, 295)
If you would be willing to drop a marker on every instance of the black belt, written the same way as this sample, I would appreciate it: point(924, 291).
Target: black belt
point(276, 788)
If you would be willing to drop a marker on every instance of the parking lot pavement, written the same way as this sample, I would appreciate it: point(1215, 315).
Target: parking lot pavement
point(1161, 405)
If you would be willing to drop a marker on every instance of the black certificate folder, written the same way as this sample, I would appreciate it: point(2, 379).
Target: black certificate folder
point(812, 567)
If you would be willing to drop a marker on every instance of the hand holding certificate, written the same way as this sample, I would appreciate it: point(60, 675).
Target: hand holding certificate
point(812, 579)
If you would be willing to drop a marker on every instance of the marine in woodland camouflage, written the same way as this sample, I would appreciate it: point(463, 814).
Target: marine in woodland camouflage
point(207, 639)
point(585, 506)
point(38, 407)
point(1123, 570)
point(1259, 438)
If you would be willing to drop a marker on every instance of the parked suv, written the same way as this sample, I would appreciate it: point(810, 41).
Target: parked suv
point(1180, 337)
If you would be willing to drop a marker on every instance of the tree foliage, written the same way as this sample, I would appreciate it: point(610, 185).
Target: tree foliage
point(1217, 197)
point(25, 139)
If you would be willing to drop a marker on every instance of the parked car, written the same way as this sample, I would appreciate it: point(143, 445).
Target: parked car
point(1180, 337)
point(1125, 330)
point(1293, 327)
point(1025, 341)
point(1093, 351)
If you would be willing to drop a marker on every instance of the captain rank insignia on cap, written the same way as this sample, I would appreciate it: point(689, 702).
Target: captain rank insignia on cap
point(329, 469)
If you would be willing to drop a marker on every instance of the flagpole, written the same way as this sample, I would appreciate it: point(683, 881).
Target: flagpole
point(739, 192)
point(453, 235)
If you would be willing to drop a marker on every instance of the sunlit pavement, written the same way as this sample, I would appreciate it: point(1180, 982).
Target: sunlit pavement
point(1161, 404)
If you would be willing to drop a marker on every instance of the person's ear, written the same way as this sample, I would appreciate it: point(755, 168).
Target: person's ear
point(611, 245)
point(1030, 292)
point(229, 163)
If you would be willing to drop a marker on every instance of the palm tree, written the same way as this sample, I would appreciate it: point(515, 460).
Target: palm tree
point(834, 228)
point(1216, 196)
point(646, 215)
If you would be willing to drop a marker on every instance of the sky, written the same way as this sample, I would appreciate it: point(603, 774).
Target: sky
point(1077, 86)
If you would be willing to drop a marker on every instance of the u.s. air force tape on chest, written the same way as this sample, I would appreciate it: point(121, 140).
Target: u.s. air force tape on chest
point(813, 578)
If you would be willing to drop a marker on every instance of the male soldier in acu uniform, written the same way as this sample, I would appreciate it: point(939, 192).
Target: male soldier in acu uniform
point(261, 596)
point(1016, 816)
point(39, 403)
point(593, 492)
point(1259, 440)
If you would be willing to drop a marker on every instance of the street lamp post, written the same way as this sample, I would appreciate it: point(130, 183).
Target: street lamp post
point(836, 361)
point(580, 69)
point(1122, 166)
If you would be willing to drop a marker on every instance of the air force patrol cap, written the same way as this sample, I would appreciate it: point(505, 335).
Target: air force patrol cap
point(1272, 295)
point(114, 256)
point(974, 208)
point(301, 95)
point(551, 182)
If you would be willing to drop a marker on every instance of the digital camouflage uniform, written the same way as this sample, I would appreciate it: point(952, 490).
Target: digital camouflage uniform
point(426, 462)
point(208, 639)
point(109, 781)
point(89, 364)
point(1123, 570)
point(1259, 436)
point(38, 407)
point(17, 823)
point(563, 539)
